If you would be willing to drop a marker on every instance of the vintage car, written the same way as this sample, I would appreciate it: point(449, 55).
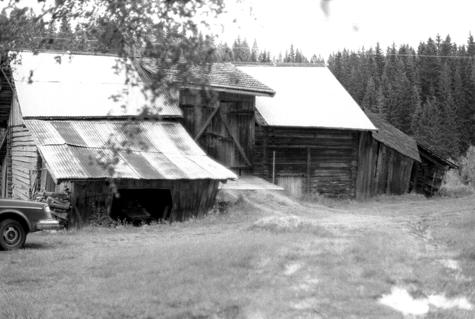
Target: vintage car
point(20, 217)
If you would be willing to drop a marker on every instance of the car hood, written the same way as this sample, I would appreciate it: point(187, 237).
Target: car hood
point(12, 203)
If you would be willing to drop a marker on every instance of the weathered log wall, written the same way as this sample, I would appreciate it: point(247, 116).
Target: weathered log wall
point(308, 160)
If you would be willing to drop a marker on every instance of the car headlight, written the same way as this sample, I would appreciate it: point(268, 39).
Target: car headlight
point(47, 211)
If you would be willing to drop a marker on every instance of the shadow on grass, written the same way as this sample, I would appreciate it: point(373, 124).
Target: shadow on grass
point(38, 246)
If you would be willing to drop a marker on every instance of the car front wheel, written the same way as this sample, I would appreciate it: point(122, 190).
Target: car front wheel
point(12, 234)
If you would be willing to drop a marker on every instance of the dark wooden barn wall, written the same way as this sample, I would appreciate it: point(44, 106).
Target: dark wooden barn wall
point(190, 197)
point(308, 160)
point(229, 136)
point(6, 95)
point(429, 174)
point(381, 170)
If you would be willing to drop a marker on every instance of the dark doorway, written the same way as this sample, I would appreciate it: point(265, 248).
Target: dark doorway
point(140, 206)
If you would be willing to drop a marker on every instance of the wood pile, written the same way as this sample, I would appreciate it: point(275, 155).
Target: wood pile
point(59, 203)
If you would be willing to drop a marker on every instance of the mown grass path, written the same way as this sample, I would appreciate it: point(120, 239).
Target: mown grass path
point(269, 256)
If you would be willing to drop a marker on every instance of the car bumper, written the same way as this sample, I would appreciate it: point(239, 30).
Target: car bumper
point(48, 224)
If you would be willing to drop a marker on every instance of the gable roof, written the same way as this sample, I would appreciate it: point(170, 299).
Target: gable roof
point(393, 137)
point(61, 85)
point(69, 149)
point(307, 97)
point(218, 76)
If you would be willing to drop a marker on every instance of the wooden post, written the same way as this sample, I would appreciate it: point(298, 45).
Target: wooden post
point(265, 163)
point(309, 177)
point(273, 167)
point(433, 183)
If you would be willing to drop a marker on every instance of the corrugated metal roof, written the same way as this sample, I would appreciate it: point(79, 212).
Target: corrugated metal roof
point(219, 76)
point(159, 150)
point(394, 138)
point(79, 86)
point(307, 97)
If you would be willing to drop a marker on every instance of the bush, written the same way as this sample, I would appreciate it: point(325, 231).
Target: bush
point(454, 186)
point(467, 167)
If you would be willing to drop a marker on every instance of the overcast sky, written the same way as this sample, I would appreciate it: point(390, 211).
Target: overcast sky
point(275, 24)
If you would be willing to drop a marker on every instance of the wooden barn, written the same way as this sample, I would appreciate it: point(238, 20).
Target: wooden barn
point(428, 175)
point(222, 122)
point(60, 120)
point(387, 158)
point(308, 134)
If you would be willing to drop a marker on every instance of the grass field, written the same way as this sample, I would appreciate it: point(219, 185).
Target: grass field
point(268, 256)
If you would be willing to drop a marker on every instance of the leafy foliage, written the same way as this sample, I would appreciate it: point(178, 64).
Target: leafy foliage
point(168, 33)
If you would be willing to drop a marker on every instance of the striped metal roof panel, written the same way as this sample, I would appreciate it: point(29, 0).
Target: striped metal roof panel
point(158, 150)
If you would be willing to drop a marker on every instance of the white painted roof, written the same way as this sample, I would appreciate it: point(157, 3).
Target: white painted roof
point(307, 97)
point(78, 86)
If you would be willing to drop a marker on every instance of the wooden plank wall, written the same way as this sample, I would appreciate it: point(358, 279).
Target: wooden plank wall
point(190, 197)
point(381, 170)
point(236, 109)
point(24, 162)
point(326, 159)
point(21, 156)
point(428, 175)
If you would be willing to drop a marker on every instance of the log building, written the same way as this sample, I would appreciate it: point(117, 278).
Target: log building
point(313, 138)
point(307, 135)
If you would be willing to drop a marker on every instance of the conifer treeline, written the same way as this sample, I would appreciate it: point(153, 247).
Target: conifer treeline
point(428, 93)
point(241, 51)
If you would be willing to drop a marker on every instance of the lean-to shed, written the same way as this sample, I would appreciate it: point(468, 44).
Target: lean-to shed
point(386, 160)
point(219, 112)
point(428, 174)
point(63, 114)
point(308, 134)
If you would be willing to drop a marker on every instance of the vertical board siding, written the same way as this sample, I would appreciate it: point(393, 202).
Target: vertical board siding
point(381, 170)
point(24, 162)
point(293, 184)
point(237, 110)
point(190, 197)
point(325, 159)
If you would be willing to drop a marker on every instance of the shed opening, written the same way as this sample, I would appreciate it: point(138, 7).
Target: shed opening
point(140, 206)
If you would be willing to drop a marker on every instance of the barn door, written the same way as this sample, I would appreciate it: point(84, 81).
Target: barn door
point(227, 134)
point(239, 128)
point(294, 184)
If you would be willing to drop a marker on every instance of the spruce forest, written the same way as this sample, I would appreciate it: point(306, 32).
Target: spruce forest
point(428, 93)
